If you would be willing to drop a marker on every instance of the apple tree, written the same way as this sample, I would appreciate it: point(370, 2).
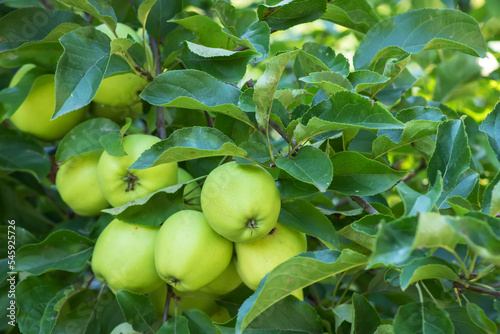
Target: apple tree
point(375, 124)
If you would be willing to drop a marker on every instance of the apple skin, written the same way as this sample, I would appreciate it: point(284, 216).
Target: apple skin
point(34, 115)
point(189, 190)
point(121, 185)
point(241, 202)
point(76, 181)
point(188, 253)
point(256, 259)
point(123, 257)
point(116, 114)
point(225, 283)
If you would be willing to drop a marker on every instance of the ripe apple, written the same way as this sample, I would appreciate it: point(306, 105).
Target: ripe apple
point(116, 114)
point(34, 115)
point(191, 191)
point(121, 185)
point(123, 89)
point(225, 283)
point(76, 181)
point(123, 257)
point(256, 259)
point(188, 253)
point(241, 202)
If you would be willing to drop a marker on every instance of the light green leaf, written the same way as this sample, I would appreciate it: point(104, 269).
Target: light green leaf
point(357, 175)
point(364, 79)
point(422, 318)
point(424, 29)
point(61, 250)
point(433, 230)
point(427, 268)
point(80, 69)
point(101, 10)
point(495, 200)
point(416, 203)
point(259, 35)
point(354, 14)
point(267, 84)
point(310, 165)
point(488, 193)
point(364, 230)
point(293, 274)
point(187, 144)
point(288, 13)
point(137, 309)
point(329, 82)
point(143, 11)
point(192, 89)
point(491, 126)
point(460, 205)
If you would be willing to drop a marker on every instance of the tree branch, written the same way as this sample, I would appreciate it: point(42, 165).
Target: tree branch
point(477, 289)
point(46, 4)
point(210, 119)
point(364, 204)
point(160, 116)
point(410, 175)
point(279, 130)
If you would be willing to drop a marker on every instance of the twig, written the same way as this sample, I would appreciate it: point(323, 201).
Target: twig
point(160, 116)
point(145, 74)
point(90, 281)
point(167, 303)
point(364, 204)
point(46, 4)
point(250, 83)
point(279, 130)
point(414, 172)
point(210, 119)
point(474, 288)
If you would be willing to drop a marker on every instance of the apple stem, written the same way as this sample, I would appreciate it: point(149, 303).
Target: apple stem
point(252, 224)
point(130, 179)
point(167, 303)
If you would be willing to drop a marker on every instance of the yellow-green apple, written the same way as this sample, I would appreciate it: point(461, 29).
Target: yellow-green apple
point(241, 202)
point(225, 283)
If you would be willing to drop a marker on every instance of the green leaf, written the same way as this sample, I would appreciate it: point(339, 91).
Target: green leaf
point(364, 230)
point(259, 35)
point(199, 322)
point(417, 203)
point(337, 63)
point(433, 230)
point(21, 152)
point(306, 218)
point(354, 14)
point(293, 274)
point(225, 65)
point(310, 165)
point(495, 200)
point(460, 205)
point(36, 298)
point(143, 11)
point(366, 319)
point(356, 175)
point(178, 325)
point(364, 79)
point(152, 209)
point(162, 11)
point(291, 188)
point(192, 89)
point(465, 184)
point(85, 137)
point(80, 69)
point(226, 13)
point(24, 40)
point(61, 250)
point(427, 268)
point(101, 10)
point(344, 110)
point(187, 144)
point(488, 193)
point(463, 322)
point(477, 315)
point(329, 82)
point(491, 126)
point(422, 318)
point(424, 29)
point(137, 309)
point(267, 84)
point(288, 13)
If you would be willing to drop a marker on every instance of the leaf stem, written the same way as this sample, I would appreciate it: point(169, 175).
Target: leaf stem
point(462, 264)
point(160, 115)
point(364, 204)
point(278, 129)
point(483, 272)
point(420, 294)
point(337, 287)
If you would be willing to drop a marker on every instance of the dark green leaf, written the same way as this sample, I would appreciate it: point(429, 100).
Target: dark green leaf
point(85, 137)
point(255, 151)
point(459, 204)
point(293, 274)
point(329, 82)
point(143, 11)
point(427, 268)
point(364, 79)
point(491, 126)
point(80, 69)
point(137, 309)
point(101, 10)
point(21, 152)
point(401, 81)
point(310, 165)
point(289, 13)
point(417, 203)
point(425, 29)
point(36, 298)
point(306, 218)
point(354, 14)
point(463, 322)
point(178, 325)
point(199, 322)
point(422, 318)
point(259, 35)
point(61, 250)
point(291, 188)
point(366, 318)
point(477, 315)
point(192, 89)
point(187, 144)
point(267, 84)
point(359, 176)
point(162, 11)
point(152, 209)
point(326, 55)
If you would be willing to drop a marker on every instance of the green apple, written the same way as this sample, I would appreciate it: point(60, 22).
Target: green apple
point(188, 253)
point(241, 202)
point(182, 301)
point(256, 259)
point(76, 181)
point(116, 114)
point(121, 185)
point(225, 283)
point(192, 191)
point(34, 115)
point(221, 316)
point(123, 257)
